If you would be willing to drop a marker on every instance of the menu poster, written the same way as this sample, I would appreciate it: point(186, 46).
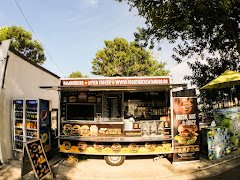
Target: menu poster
point(186, 129)
point(112, 104)
point(34, 155)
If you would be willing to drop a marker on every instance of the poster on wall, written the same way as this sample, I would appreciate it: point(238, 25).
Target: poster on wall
point(112, 104)
point(186, 129)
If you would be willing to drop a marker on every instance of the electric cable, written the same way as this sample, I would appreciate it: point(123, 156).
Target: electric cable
point(47, 52)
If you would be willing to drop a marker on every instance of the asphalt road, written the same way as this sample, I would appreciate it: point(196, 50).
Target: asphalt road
point(233, 174)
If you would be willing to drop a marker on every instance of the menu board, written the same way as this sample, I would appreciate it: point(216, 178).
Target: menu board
point(186, 129)
point(34, 158)
point(112, 104)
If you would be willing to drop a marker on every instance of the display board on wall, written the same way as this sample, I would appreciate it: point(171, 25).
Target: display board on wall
point(34, 158)
point(112, 106)
point(186, 129)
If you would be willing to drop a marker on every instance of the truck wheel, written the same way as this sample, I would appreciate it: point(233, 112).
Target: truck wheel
point(115, 160)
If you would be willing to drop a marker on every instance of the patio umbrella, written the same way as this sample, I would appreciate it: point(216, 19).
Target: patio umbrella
point(226, 79)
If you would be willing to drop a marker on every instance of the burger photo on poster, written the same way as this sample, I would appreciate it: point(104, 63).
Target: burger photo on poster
point(186, 134)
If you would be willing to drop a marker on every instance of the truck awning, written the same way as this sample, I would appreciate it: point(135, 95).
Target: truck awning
point(165, 87)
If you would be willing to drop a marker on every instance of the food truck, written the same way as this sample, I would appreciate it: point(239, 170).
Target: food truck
point(116, 117)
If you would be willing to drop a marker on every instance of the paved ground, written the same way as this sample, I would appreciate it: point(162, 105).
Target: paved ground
point(232, 174)
point(144, 169)
point(133, 168)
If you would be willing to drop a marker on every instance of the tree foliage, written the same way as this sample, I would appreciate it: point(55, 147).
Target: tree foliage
point(122, 58)
point(202, 73)
point(202, 29)
point(76, 74)
point(201, 25)
point(22, 41)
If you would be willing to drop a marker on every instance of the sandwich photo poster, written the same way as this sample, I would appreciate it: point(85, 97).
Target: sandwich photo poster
point(185, 129)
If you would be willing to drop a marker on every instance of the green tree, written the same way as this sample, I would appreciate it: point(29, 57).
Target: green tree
point(202, 73)
point(76, 74)
point(203, 26)
point(22, 41)
point(122, 58)
point(202, 29)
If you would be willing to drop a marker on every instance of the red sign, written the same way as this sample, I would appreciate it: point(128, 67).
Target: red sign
point(124, 81)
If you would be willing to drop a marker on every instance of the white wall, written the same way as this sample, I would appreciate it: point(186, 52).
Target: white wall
point(22, 80)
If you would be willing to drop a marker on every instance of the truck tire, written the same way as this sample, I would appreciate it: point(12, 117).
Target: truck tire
point(115, 160)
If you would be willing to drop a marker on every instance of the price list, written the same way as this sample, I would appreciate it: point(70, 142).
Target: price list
point(112, 106)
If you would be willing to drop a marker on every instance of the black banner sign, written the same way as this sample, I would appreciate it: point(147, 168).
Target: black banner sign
point(186, 129)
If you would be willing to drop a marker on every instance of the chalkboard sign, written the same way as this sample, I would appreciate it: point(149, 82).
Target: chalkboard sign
point(34, 158)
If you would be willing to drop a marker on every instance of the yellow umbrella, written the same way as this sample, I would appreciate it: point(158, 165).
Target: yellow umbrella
point(226, 79)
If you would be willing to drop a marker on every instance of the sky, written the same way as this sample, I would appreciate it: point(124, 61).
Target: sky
point(73, 31)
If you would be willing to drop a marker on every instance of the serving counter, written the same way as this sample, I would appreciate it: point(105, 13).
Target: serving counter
point(111, 138)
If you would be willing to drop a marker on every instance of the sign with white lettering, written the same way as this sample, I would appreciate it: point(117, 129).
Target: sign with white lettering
point(124, 81)
point(186, 126)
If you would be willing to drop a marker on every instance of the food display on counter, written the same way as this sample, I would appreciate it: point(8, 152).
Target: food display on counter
point(67, 129)
point(85, 130)
point(66, 145)
point(90, 130)
point(116, 148)
point(93, 130)
point(150, 146)
point(76, 130)
point(102, 131)
point(82, 146)
point(133, 147)
point(147, 129)
point(98, 146)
